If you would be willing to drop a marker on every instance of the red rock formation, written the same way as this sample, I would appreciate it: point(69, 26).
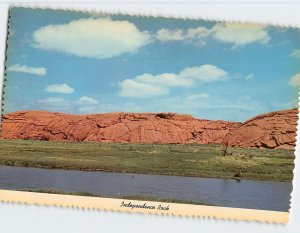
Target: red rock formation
point(114, 127)
point(271, 130)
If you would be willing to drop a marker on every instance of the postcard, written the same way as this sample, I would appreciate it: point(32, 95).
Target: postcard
point(149, 114)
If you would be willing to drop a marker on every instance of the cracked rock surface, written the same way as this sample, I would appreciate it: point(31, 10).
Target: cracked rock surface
point(272, 130)
point(114, 127)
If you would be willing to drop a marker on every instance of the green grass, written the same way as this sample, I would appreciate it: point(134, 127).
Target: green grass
point(172, 159)
point(138, 198)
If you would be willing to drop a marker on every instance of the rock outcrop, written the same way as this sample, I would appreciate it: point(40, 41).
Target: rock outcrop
point(114, 127)
point(271, 130)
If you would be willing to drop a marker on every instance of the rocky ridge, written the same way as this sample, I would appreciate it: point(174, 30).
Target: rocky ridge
point(114, 127)
point(272, 130)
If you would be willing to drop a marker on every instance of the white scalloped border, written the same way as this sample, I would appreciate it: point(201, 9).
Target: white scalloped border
point(183, 210)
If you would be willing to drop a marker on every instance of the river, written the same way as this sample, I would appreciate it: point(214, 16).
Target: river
point(250, 194)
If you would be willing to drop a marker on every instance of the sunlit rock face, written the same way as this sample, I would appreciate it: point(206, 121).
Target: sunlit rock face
point(271, 130)
point(114, 127)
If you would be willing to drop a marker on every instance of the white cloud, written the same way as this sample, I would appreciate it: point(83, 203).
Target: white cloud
point(104, 38)
point(240, 34)
point(84, 104)
point(87, 100)
point(135, 88)
point(249, 77)
point(296, 53)
point(40, 71)
point(170, 35)
point(165, 35)
point(204, 74)
point(197, 33)
point(191, 35)
point(236, 34)
point(295, 80)
point(60, 88)
point(148, 85)
point(165, 79)
point(98, 38)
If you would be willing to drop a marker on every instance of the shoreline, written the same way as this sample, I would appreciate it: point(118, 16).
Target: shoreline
point(239, 179)
point(137, 198)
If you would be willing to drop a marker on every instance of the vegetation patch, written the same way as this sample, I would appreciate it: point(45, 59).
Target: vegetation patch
point(159, 159)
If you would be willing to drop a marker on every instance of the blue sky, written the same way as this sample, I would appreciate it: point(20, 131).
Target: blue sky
point(79, 62)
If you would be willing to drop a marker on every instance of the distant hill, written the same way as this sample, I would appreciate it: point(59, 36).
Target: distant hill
point(272, 130)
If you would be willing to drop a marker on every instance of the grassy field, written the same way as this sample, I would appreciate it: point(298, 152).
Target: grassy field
point(180, 160)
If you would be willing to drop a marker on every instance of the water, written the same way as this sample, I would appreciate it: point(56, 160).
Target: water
point(222, 192)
